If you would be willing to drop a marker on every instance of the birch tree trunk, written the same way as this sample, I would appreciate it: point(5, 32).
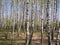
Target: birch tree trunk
point(52, 13)
point(2, 9)
point(27, 22)
point(32, 23)
point(54, 17)
point(48, 23)
point(1, 16)
point(11, 16)
point(55, 22)
point(0, 13)
point(13, 13)
point(42, 22)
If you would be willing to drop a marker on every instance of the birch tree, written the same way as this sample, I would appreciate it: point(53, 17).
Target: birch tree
point(27, 22)
point(32, 22)
point(55, 22)
point(1, 14)
point(48, 23)
point(42, 22)
point(13, 29)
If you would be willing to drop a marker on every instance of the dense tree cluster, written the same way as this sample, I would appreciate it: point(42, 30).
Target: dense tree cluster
point(30, 15)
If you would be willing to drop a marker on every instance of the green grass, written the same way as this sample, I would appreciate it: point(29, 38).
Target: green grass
point(5, 42)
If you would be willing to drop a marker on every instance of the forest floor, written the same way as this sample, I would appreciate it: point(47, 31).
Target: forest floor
point(36, 40)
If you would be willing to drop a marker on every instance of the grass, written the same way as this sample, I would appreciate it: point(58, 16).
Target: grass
point(5, 42)
point(9, 41)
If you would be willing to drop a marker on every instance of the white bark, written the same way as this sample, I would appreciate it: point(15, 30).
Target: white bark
point(27, 22)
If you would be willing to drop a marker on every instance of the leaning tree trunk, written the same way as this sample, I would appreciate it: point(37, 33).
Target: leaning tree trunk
point(32, 23)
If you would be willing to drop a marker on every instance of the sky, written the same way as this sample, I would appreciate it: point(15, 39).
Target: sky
point(10, 5)
point(59, 10)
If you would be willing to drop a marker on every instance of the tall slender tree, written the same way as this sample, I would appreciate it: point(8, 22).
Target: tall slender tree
point(55, 22)
point(42, 22)
point(48, 23)
point(27, 22)
point(32, 23)
point(2, 9)
point(13, 13)
point(1, 5)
